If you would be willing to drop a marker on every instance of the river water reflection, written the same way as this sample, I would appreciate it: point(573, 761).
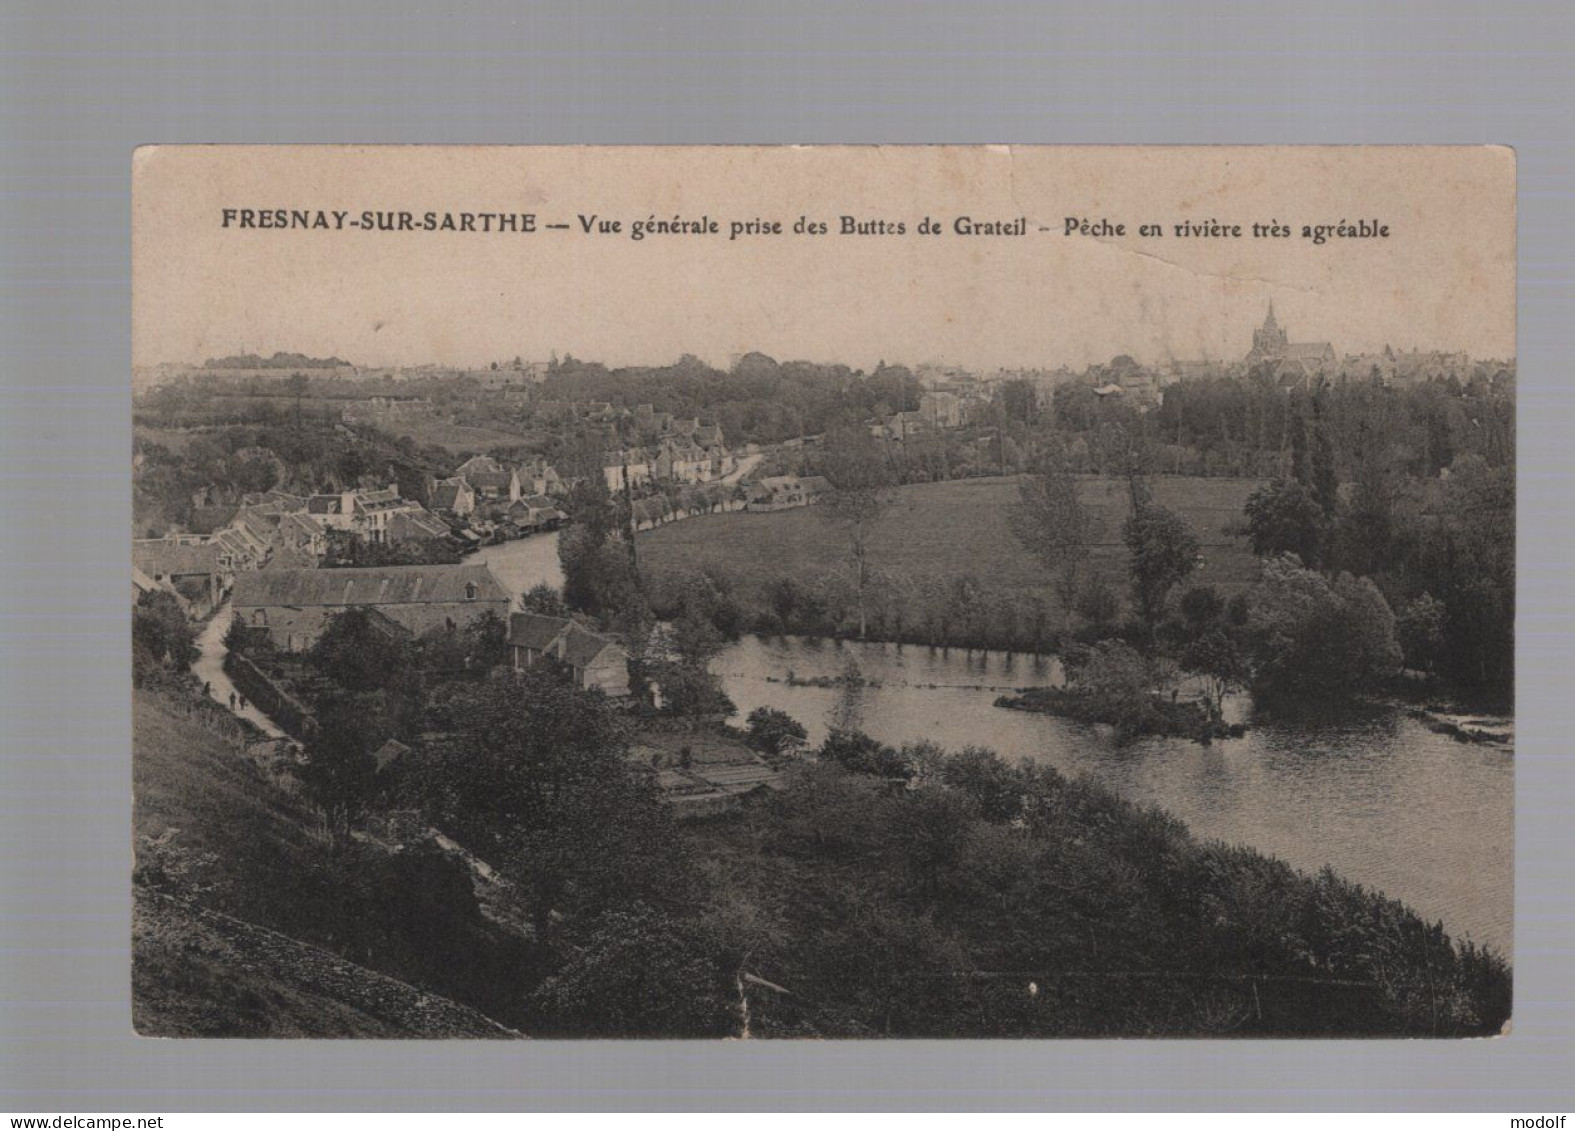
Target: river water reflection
point(522, 563)
point(1376, 795)
point(1381, 798)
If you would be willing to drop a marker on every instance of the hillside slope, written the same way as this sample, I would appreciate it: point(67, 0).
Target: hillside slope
point(197, 973)
point(271, 933)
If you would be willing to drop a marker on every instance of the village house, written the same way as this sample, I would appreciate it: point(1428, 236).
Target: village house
point(453, 496)
point(776, 493)
point(142, 584)
point(365, 513)
point(723, 462)
point(906, 425)
point(419, 525)
point(536, 512)
point(538, 477)
point(292, 605)
point(941, 410)
point(593, 661)
point(193, 570)
point(680, 461)
point(681, 426)
point(490, 479)
point(627, 466)
point(297, 543)
point(815, 487)
point(374, 512)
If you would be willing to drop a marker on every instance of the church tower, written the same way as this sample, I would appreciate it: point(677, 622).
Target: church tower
point(1269, 340)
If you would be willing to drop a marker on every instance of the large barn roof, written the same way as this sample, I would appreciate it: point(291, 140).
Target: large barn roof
point(386, 585)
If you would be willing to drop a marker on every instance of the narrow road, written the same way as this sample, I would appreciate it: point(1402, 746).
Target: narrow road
point(745, 466)
point(209, 667)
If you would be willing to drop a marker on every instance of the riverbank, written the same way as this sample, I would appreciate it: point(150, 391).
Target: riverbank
point(1375, 794)
point(1181, 718)
point(984, 898)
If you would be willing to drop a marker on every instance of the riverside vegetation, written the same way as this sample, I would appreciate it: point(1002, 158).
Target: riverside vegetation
point(881, 891)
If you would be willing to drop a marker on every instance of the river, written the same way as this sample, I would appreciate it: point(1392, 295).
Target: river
point(522, 563)
point(1375, 794)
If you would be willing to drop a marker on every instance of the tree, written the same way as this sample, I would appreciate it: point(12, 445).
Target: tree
point(339, 773)
point(1222, 664)
point(1420, 627)
point(1325, 477)
point(1313, 637)
point(486, 640)
point(1163, 550)
point(544, 600)
point(534, 778)
point(354, 651)
point(860, 496)
point(1097, 604)
point(160, 625)
point(858, 753)
point(1116, 683)
point(690, 692)
point(1054, 525)
point(296, 385)
point(596, 575)
point(775, 732)
point(1201, 607)
point(637, 972)
point(1283, 517)
point(235, 635)
point(1468, 561)
point(1366, 537)
point(988, 780)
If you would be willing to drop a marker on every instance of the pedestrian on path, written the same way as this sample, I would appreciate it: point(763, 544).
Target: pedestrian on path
point(207, 689)
point(232, 700)
point(243, 702)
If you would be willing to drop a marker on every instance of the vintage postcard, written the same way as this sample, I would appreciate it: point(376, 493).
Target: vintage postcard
point(798, 592)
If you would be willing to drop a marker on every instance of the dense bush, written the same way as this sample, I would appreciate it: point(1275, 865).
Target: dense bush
point(1313, 636)
point(1004, 900)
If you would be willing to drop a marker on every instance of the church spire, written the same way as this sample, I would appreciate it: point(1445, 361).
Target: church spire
point(1268, 323)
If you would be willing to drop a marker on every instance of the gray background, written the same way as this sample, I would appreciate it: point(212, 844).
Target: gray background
point(81, 86)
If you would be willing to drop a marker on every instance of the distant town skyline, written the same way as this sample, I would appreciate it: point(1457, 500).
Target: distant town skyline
point(1443, 281)
point(1225, 356)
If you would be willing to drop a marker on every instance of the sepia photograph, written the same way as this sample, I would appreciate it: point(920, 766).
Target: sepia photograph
point(823, 592)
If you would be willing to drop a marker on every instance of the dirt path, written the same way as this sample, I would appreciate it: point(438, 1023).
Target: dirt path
point(209, 667)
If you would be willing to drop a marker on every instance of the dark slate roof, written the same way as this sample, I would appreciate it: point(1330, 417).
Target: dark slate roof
point(424, 521)
point(300, 524)
point(581, 646)
point(534, 631)
point(386, 585)
point(446, 492)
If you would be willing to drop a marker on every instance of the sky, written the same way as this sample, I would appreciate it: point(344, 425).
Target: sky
point(1442, 279)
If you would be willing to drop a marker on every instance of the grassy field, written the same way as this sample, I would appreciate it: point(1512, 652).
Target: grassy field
point(952, 529)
